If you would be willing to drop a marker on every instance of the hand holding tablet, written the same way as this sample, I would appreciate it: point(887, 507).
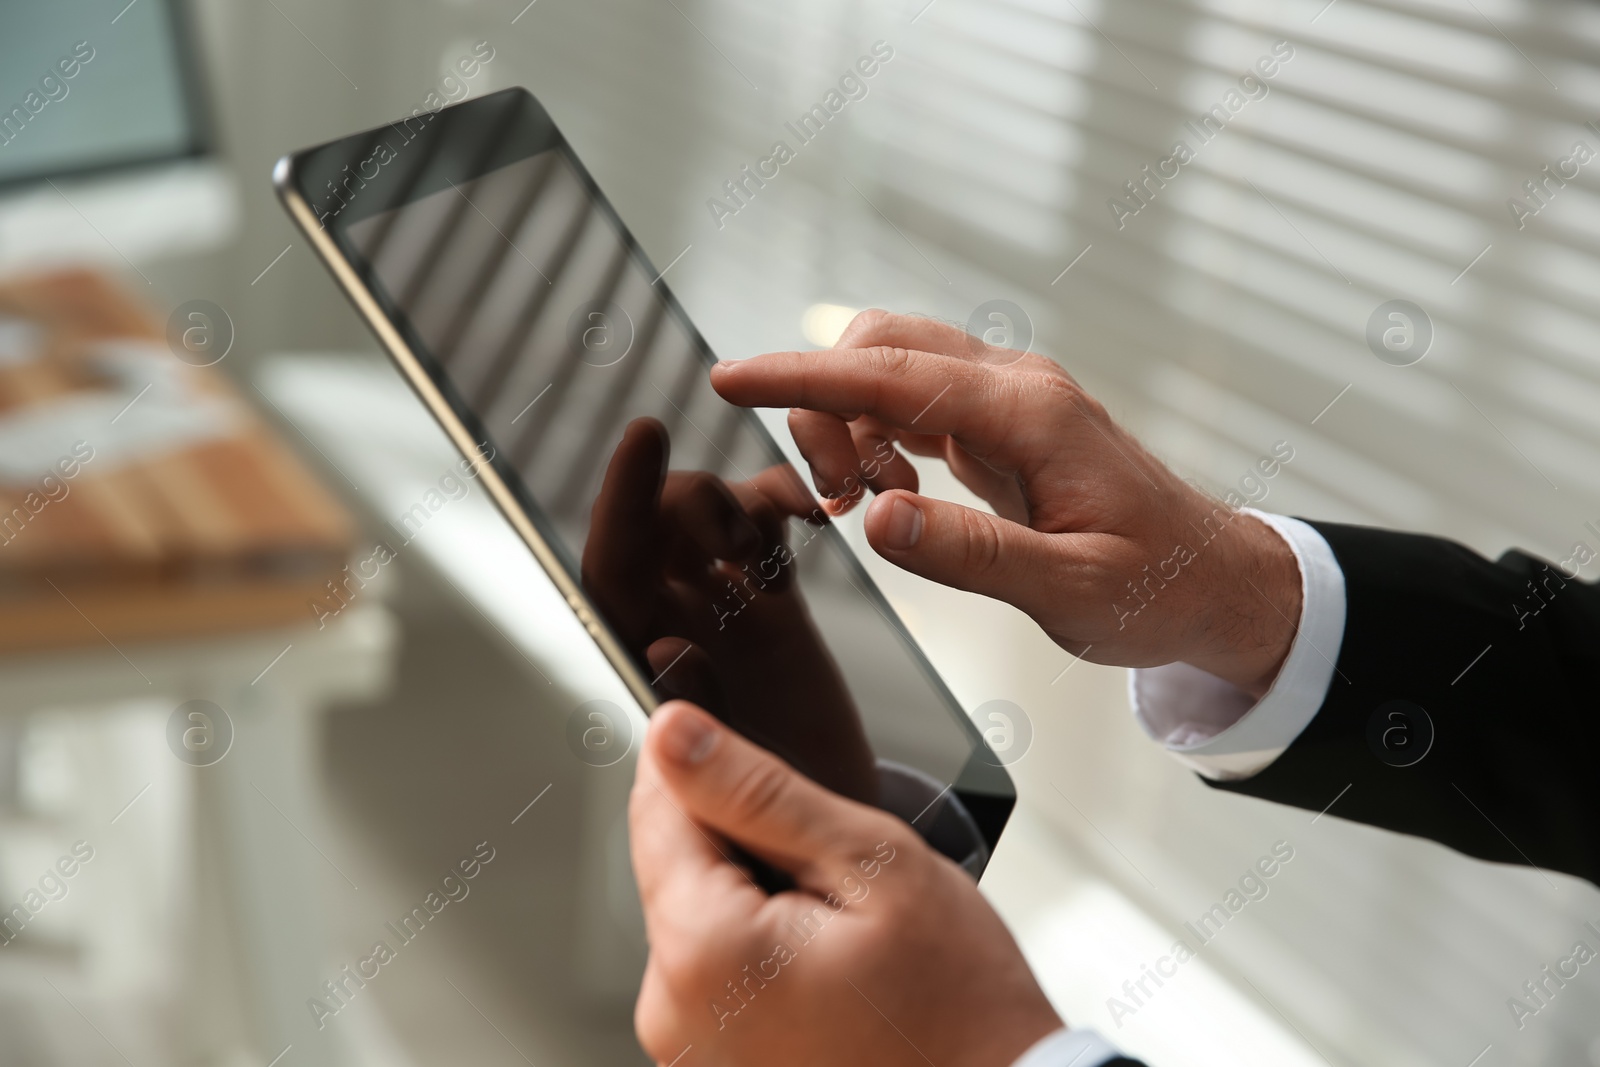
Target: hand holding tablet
point(883, 953)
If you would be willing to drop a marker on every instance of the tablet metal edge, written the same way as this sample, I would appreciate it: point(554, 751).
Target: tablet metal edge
point(424, 387)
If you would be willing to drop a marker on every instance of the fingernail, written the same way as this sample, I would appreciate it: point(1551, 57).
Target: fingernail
point(905, 525)
point(689, 738)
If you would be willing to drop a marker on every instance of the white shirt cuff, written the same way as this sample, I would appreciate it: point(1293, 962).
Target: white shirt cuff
point(1069, 1048)
point(1210, 724)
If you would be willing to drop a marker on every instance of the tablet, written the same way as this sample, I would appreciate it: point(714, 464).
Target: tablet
point(534, 328)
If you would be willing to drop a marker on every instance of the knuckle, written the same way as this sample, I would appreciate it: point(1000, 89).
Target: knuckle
point(865, 326)
point(1091, 408)
point(680, 964)
point(1038, 363)
point(1065, 393)
point(1058, 388)
point(886, 829)
point(889, 939)
point(1062, 402)
point(982, 542)
point(760, 790)
point(902, 869)
point(889, 360)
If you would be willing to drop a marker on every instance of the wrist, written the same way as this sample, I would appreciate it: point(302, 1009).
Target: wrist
point(1007, 1044)
point(1253, 606)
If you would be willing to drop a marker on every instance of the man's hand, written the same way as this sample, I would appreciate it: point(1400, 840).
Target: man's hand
point(1114, 555)
point(883, 954)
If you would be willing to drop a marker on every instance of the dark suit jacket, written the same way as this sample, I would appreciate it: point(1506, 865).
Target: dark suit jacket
point(1504, 657)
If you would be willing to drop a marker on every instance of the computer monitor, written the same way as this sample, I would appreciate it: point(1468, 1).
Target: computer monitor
point(105, 141)
point(85, 88)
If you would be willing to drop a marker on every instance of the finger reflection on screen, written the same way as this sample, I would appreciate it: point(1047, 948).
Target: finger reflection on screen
point(697, 577)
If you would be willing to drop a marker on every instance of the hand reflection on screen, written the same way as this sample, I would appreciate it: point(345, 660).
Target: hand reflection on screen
point(678, 563)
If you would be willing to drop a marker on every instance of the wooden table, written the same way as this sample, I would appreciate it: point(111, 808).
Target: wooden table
point(165, 545)
point(216, 531)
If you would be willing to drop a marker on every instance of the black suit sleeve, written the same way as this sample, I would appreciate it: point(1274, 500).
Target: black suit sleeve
point(1504, 657)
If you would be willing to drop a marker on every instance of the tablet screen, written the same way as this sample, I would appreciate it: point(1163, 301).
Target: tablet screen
point(696, 541)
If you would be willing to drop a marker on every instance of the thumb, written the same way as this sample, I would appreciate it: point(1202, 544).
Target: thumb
point(963, 548)
point(725, 783)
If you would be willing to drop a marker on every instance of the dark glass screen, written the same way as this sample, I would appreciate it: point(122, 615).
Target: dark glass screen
point(697, 542)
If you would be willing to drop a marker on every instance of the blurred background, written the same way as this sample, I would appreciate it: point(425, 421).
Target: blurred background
point(222, 782)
